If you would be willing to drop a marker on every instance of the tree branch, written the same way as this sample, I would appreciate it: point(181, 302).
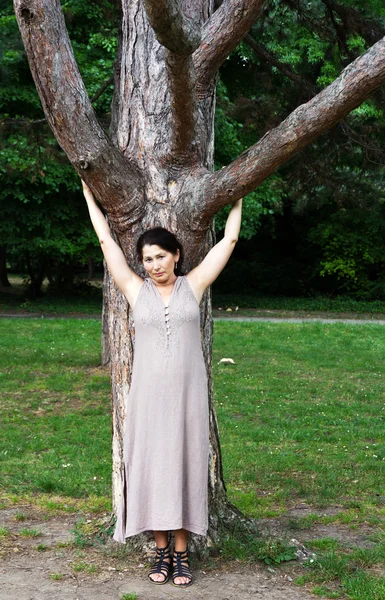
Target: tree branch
point(180, 35)
point(25, 121)
point(183, 107)
point(221, 34)
point(356, 82)
point(173, 29)
point(102, 89)
point(284, 68)
point(354, 22)
point(68, 109)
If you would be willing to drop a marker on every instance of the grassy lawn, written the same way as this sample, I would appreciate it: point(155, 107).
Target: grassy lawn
point(55, 410)
point(307, 401)
point(301, 416)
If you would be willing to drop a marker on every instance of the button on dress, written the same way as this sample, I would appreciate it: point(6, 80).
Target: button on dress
point(166, 439)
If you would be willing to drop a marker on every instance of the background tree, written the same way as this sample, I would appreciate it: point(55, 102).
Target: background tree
point(155, 167)
point(44, 227)
point(337, 184)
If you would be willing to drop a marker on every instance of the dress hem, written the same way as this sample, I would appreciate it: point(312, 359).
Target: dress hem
point(191, 528)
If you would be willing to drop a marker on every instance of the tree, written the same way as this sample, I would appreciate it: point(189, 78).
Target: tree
point(155, 166)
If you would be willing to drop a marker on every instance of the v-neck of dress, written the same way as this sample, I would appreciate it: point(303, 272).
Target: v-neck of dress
point(160, 295)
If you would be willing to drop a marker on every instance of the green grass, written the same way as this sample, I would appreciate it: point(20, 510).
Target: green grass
point(49, 378)
point(347, 573)
point(56, 576)
point(317, 303)
point(19, 516)
point(25, 532)
point(301, 416)
point(82, 566)
point(129, 597)
point(307, 401)
point(52, 305)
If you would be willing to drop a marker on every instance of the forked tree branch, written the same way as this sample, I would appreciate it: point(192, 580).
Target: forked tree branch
point(173, 29)
point(102, 89)
point(67, 107)
point(184, 111)
point(355, 84)
point(180, 35)
point(221, 34)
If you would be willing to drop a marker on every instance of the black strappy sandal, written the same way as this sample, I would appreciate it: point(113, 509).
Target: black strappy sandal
point(181, 568)
point(161, 565)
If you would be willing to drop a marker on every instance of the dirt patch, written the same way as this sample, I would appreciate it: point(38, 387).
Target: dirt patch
point(63, 569)
point(53, 564)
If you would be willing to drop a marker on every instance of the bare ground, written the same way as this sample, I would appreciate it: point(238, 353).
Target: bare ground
point(51, 565)
point(63, 570)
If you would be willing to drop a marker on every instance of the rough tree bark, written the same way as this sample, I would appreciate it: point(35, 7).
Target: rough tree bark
point(156, 165)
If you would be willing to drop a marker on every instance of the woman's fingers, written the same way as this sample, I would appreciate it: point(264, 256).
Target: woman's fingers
point(85, 186)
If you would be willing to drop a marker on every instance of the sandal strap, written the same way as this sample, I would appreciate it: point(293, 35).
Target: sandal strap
point(161, 565)
point(163, 552)
point(181, 566)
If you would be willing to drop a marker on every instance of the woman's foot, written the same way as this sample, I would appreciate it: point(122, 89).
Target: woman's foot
point(181, 573)
point(160, 573)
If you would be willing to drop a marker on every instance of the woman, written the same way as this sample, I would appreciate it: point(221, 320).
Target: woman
point(166, 442)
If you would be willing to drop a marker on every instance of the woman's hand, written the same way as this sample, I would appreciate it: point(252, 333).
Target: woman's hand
point(123, 275)
point(208, 270)
point(86, 190)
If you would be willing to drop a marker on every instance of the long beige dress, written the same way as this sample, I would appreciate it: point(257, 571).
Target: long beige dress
point(166, 442)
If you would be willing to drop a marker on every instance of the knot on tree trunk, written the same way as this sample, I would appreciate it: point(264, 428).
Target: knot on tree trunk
point(83, 164)
point(26, 14)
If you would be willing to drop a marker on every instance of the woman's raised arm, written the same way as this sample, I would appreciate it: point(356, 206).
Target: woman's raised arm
point(214, 262)
point(126, 279)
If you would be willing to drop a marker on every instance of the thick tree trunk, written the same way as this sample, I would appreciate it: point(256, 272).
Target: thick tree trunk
point(4, 281)
point(148, 124)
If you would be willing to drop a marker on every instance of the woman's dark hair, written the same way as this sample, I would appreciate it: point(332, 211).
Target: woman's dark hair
point(164, 239)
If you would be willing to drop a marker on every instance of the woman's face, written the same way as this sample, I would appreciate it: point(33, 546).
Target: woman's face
point(159, 263)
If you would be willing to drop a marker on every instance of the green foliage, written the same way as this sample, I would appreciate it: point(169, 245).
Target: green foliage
point(264, 201)
point(45, 225)
point(44, 222)
point(353, 247)
point(319, 219)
